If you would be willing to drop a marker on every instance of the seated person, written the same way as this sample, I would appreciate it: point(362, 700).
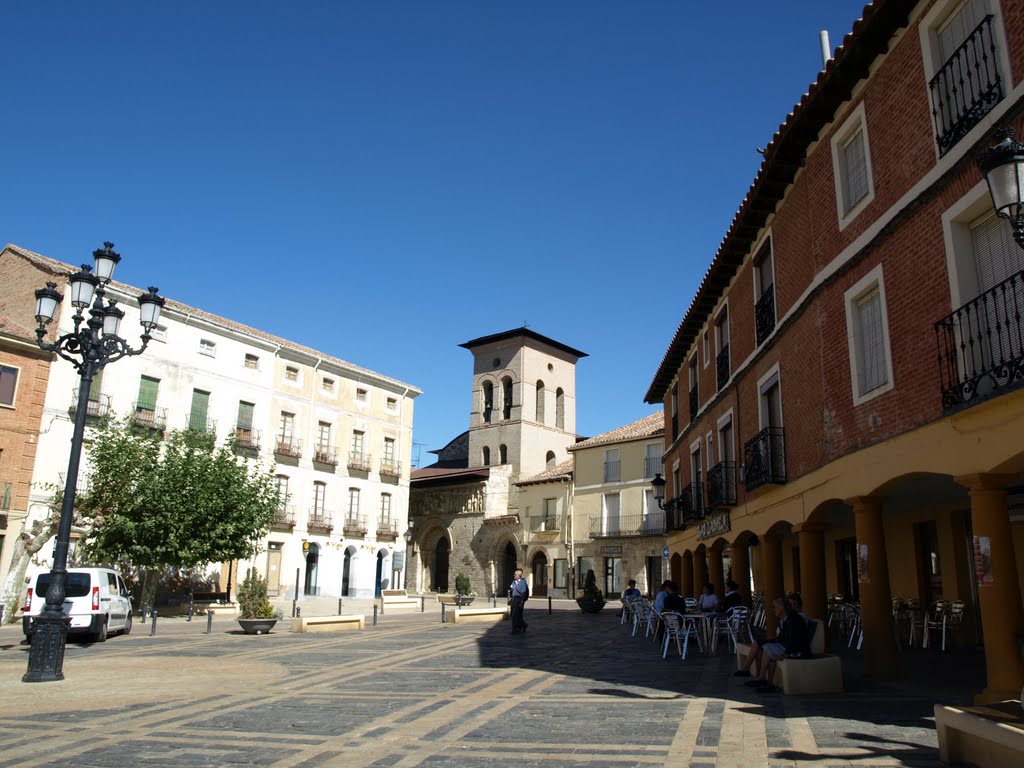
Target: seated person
point(708, 601)
point(659, 599)
point(673, 600)
point(793, 640)
point(631, 590)
point(732, 596)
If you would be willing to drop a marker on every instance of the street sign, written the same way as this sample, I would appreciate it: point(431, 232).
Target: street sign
point(664, 552)
point(398, 561)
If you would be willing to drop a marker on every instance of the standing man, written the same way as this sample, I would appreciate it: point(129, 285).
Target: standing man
point(518, 593)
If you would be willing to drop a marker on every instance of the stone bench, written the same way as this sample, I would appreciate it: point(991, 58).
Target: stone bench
point(985, 736)
point(819, 673)
point(329, 623)
point(391, 599)
point(468, 615)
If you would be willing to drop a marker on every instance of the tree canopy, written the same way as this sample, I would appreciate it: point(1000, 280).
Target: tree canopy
point(181, 502)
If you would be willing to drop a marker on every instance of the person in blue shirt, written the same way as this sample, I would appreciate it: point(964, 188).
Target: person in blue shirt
point(630, 593)
point(518, 594)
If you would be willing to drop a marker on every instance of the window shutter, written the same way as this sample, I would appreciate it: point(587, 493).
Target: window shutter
point(855, 176)
point(873, 373)
point(996, 256)
point(148, 389)
point(245, 415)
point(200, 407)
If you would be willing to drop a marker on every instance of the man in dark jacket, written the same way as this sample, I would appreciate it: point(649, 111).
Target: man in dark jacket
point(793, 640)
point(518, 593)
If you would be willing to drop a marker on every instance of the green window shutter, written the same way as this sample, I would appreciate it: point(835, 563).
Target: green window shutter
point(97, 386)
point(200, 407)
point(245, 415)
point(148, 388)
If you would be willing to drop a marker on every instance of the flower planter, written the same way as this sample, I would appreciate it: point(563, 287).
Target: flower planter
point(256, 626)
point(590, 606)
point(454, 599)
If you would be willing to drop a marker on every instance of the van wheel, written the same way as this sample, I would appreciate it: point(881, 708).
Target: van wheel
point(101, 634)
point(127, 625)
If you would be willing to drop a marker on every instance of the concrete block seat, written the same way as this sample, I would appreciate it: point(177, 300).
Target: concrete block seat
point(820, 673)
point(988, 736)
point(329, 623)
point(397, 599)
point(469, 615)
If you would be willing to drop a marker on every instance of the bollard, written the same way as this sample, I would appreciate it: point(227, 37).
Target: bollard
point(381, 605)
point(375, 614)
point(423, 603)
point(494, 599)
point(298, 613)
point(1, 615)
point(190, 605)
point(549, 605)
point(152, 629)
point(295, 609)
point(339, 606)
point(444, 616)
point(458, 599)
point(209, 622)
point(142, 612)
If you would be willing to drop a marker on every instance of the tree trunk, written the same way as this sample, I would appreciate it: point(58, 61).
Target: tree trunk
point(150, 582)
point(28, 543)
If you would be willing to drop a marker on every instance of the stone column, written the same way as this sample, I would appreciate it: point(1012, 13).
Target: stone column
point(773, 576)
point(716, 569)
point(686, 582)
point(812, 570)
point(741, 568)
point(881, 659)
point(998, 588)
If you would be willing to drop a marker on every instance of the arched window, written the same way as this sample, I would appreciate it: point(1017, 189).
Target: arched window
point(486, 456)
point(540, 401)
point(549, 459)
point(506, 398)
point(559, 408)
point(503, 454)
point(488, 404)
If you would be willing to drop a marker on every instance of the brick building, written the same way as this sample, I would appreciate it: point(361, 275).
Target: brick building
point(842, 402)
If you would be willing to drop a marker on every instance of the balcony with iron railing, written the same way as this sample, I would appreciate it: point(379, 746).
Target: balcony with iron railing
point(355, 525)
point(284, 518)
point(320, 520)
point(390, 468)
point(149, 417)
point(544, 524)
point(722, 485)
point(764, 459)
point(359, 462)
point(200, 423)
point(764, 315)
point(387, 528)
point(722, 366)
point(675, 426)
point(325, 455)
point(652, 466)
point(97, 407)
point(651, 524)
point(288, 447)
point(981, 346)
point(694, 402)
point(247, 439)
point(612, 471)
point(966, 87)
point(686, 508)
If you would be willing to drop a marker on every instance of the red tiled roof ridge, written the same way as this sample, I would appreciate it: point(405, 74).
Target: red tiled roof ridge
point(557, 472)
point(60, 268)
point(648, 426)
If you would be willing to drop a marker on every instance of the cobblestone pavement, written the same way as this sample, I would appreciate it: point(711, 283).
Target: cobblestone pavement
point(575, 690)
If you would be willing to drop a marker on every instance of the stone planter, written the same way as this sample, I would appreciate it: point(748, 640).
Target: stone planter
point(590, 606)
point(256, 626)
point(453, 599)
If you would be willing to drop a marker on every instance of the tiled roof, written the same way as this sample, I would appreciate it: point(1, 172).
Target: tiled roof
point(60, 268)
point(649, 426)
point(783, 157)
point(561, 471)
point(525, 333)
point(443, 476)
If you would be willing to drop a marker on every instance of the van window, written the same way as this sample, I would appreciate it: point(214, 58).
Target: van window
point(76, 584)
point(111, 584)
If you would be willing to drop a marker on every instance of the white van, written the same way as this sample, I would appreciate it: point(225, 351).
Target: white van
point(96, 599)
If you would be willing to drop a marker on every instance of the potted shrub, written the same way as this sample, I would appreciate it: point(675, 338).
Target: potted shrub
point(256, 615)
point(463, 595)
point(592, 600)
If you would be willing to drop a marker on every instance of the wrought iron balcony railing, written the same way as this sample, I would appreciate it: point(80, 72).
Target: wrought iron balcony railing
point(387, 527)
point(541, 524)
point(722, 485)
point(694, 403)
point(355, 525)
point(981, 345)
point(686, 508)
point(324, 454)
point(966, 87)
point(651, 524)
point(149, 417)
point(612, 471)
point(97, 408)
point(652, 466)
point(320, 520)
point(389, 468)
point(287, 446)
point(722, 366)
point(247, 439)
point(284, 517)
point(360, 462)
point(764, 315)
point(200, 423)
point(764, 458)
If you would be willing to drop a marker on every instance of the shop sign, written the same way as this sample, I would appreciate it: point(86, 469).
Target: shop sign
point(611, 550)
point(398, 561)
point(714, 526)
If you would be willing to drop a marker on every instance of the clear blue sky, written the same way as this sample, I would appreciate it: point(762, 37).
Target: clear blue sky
point(385, 180)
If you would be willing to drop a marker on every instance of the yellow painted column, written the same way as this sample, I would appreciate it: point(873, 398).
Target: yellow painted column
point(773, 578)
point(812, 570)
point(716, 570)
point(741, 568)
point(686, 582)
point(998, 586)
point(700, 570)
point(881, 660)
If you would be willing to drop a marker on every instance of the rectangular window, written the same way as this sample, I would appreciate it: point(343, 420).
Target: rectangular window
point(385, 506)
point(392, 404)
point(357, 443)
point(323, 436)
point(723, 368)
point(361, 395)
point(389, 449)
point(328, 385)
point(353, 502)
point(584, 565)
point(282, 491)
point(612, 466)
point(764, 293)
point(207, 347)
point(550, 514)
point(148, 390)
point(561, 573)
point(870, 343)
point(245, 411)
point(8, 384)
point(285, 426)
point(197, 416)
point(159, 333)
point(291, 373)
point(652, 459)
point(611, 513)
point(251, 361)
point(707, 348)
point(319, 496)
point(855, 171)
point(851, 166)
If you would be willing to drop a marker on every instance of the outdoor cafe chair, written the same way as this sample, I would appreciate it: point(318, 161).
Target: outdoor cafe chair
point(852, 618)
point(735, 625)
point(935, 620)
point(679, 628)
point(628, 609)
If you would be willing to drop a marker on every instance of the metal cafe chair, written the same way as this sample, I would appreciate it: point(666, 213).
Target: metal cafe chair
point(679, 628)
point(735, 625)
point(934, 620)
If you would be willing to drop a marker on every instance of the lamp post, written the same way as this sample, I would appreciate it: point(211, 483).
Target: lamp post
point(408, 549)
point(93, 343)
point(1003, 168)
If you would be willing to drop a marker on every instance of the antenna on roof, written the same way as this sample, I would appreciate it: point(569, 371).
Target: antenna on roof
point(826, 49)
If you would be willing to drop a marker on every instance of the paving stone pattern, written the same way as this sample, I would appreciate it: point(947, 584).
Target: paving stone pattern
point(575, 690)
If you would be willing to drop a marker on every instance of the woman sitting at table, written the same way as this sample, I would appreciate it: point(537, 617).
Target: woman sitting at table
point(708, 601)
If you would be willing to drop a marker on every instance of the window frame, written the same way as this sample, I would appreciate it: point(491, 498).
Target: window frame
point(248, 358)
point(14, 391)
point(856, 121)
point(207, 347)
point(853, 295)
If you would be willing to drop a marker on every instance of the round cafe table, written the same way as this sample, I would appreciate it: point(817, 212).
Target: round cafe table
point(705, 625)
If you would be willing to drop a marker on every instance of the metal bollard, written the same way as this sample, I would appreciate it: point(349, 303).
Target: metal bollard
point(294, 609)
point(444, 615)
point(298, 613)
point(190, 606)
point(423, 603)
point(1, 615)
point(458, 599)
point(375, 615)
point(152, 629)
point(494, 599)
point(381, 605)
point(339, 606)
point(549, 605)
point(209, 622)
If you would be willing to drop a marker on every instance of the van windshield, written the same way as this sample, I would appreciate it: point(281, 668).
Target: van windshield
point(77, 584)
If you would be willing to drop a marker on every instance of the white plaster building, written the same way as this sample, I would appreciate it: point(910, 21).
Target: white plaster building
point(340, 435)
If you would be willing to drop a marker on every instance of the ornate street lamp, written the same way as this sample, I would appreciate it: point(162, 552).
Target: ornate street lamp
point(408, 536)
point(1003, 167)
point(658, 484)
point(94, 343)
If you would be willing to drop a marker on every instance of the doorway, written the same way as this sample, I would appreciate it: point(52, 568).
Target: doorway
point(846, 559)
point(929, 567)
point(274, 568)
point(346, 573)
point(507, 571)
point(540, 575)
point(654, 574)
point(379, 574)
point(441, 554)
point(612, 577)
point(312, 563)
